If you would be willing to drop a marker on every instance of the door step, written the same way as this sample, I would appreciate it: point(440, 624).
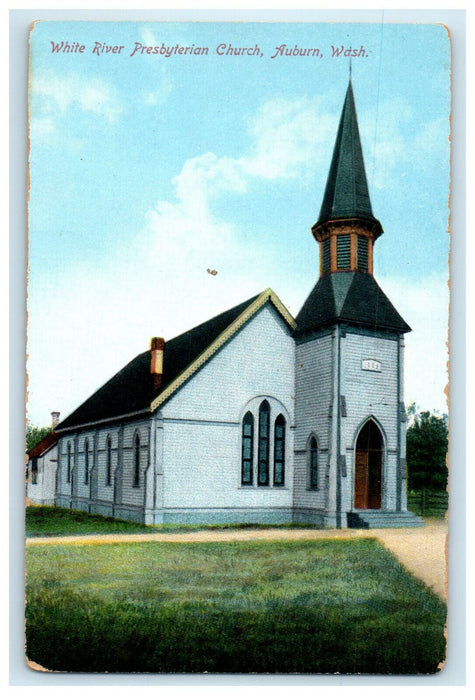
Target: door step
point(370, 520)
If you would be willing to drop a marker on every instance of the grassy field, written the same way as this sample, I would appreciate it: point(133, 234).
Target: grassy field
point(327, 606)
point(44, 521)
point(49, 521)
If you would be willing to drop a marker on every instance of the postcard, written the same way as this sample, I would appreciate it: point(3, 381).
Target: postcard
point(238, 266)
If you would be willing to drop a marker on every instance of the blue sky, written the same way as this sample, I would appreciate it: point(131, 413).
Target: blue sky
point(147, 171)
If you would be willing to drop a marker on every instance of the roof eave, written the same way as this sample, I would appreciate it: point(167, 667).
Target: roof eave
point(102, 421)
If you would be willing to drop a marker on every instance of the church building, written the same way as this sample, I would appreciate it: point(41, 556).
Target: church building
point(254, 416)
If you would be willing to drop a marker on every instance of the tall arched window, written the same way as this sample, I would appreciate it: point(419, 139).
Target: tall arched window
point(279, 450)
point(86, 462)
point(313, 464)
point(108, 461)
point(137, 460)
point(263, 451)
point(247, 447)
point(68, 463)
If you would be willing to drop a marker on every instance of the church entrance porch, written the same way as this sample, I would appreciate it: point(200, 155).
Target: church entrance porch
point(368, 468)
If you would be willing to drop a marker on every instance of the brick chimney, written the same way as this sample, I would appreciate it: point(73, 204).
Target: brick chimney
point(54, 419)
point(156, 361)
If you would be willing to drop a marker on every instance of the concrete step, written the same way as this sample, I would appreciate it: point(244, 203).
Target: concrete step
point(368, 519)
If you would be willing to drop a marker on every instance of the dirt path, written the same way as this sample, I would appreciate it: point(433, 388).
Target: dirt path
point(421, 550)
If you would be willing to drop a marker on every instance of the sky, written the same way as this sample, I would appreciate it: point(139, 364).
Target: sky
point(147, 171)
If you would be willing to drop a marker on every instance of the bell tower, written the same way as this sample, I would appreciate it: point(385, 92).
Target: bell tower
point(349, 409)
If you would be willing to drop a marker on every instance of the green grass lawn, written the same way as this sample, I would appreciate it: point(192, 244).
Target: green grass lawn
point(45, 521)
point(327, 606)
point(49, 521)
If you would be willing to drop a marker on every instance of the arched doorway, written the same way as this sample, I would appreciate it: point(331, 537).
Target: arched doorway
point(368, 467)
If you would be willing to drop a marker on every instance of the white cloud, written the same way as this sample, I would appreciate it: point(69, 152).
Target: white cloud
point(161, 91)
point(160, 284)
point(148, 36)
point(288, 138)
point(41, 126)
point(396, 141)
point(54, 93)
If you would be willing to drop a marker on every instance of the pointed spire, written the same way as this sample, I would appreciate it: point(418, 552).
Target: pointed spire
point(346, 193)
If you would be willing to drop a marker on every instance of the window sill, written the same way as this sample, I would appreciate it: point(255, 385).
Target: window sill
point(263, 488)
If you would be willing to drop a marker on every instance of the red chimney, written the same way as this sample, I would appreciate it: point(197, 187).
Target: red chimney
point(156, 361)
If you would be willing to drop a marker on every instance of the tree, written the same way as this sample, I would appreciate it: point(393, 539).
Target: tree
point(35, 435)
point(426, 451)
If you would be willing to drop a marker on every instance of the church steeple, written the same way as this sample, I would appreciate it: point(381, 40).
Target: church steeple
point(346, 228)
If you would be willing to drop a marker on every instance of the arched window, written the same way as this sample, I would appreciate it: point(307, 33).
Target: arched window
point(86, 462)
point(263, 451)
point(313, 464)
point(108, 461)
point(279, 450)
point(68, 463)
point(247, 446)
point(137, 460)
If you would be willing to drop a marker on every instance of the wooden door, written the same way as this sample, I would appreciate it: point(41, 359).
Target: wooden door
point(374, 479)
point(361, 479)
point(368, 467)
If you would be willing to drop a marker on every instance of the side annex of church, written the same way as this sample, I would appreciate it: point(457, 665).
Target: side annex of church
point(254, 416)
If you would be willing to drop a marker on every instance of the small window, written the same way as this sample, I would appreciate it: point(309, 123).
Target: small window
point(343, 256)
point(34, 470)
point(137, 460)
point(326, 256)
point(313, 464)
point(362, 253)
point(68, 463)
point(86, 462)
point(247, 447)
point(263, 456)
point(108, 462)
point(279, 451)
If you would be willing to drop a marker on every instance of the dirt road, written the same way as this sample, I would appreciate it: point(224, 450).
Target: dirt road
point(421, 550)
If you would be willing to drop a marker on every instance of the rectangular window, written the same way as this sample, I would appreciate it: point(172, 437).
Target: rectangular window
point(86, 462)
point(326, 256)
point(343, 251)
point(68, 473)
point(362, 253)
point(263, 465)
point(313, 464)
point(279, 451)
point(136, 462)
point(263, 462)
point(109, 463)
point(247, 448)
point(34, 470)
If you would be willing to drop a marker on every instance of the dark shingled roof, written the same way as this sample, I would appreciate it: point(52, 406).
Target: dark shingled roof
point(349, 297)
point(131, 390)
point(346, 193)
point(44, 445)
